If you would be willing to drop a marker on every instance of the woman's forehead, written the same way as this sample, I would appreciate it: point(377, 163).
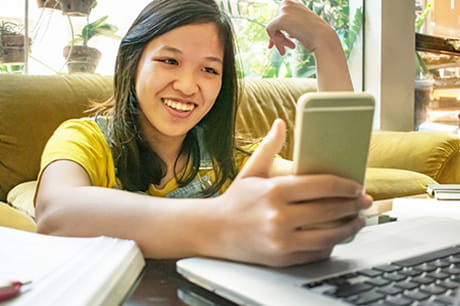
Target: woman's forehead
point(201, 37)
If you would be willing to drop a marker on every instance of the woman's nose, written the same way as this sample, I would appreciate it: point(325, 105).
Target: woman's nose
point(186, 82)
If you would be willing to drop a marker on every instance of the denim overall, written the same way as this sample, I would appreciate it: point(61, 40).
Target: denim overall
point(194, 188)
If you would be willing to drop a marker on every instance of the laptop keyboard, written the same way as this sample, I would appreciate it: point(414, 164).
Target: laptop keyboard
point(430, 279)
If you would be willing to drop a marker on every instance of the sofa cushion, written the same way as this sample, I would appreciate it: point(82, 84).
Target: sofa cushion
point(31, 108)
point(435, 154)
point(21, 197)
point(11, 217)
point(386, 183)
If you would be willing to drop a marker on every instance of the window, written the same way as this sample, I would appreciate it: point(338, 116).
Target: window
point(250, 18)
point(440, 63)
point(50, 31)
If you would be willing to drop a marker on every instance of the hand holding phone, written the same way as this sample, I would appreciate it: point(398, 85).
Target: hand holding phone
point(332, 136)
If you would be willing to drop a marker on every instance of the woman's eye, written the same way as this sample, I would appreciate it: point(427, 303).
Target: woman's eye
point(210, 70)
point(170, 61)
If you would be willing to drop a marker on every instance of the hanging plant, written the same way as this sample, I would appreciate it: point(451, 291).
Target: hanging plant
point(53, 4)
point(77, 7)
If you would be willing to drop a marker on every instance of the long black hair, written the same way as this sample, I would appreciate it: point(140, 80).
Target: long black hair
point(137, 164)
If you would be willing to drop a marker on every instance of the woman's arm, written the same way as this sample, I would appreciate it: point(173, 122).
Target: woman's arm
point(68, 205)
point(257, 220)
point(300, 23)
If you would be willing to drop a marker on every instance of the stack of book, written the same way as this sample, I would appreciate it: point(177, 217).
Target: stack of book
point(444, 191)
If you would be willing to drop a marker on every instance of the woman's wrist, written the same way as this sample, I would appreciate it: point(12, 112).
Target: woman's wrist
point(206, 233)
point(328, 41)
point(331, 65)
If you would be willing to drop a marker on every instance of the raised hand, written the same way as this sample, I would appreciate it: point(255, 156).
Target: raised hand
point(295, 21)
point(298, 22)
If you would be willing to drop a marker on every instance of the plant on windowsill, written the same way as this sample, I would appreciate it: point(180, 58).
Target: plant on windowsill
point(423, 78)
point(11, 43)
point(81, 57)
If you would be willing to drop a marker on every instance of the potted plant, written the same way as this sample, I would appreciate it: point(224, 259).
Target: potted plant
point(11, 43)
point(81, 57)
point(77, 7)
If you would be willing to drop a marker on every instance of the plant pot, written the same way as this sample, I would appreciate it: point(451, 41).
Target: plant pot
point(81, 58)
point(423, 94)
point(54, 4)
point(12, 49)
point(76, 7)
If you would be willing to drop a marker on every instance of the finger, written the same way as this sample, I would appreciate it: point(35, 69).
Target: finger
point(326, 212)
point(260, 162)
point(297, 258)
point(276, 40)
point(280, 49)
point(325, 238)
point(286, 42)
point(304, 188)
point(281, 41)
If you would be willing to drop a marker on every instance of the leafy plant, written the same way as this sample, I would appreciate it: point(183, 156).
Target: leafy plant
point(251, 17)
point(11, 68)
point(96, 28)
point(9, 28)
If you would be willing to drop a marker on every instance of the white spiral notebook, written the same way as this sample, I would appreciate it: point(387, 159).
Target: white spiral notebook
point(68, 270)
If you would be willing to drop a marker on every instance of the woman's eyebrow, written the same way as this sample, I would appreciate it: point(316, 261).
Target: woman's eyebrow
point(175, 50)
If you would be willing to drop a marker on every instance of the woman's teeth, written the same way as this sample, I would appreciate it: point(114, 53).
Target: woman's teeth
point(183, 107)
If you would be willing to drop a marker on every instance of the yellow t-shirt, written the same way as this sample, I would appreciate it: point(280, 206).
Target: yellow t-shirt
point(82, 141)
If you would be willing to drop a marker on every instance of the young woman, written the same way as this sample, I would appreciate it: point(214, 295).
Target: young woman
point(161, 165)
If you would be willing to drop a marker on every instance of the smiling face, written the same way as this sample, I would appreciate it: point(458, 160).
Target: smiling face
point(178, 79)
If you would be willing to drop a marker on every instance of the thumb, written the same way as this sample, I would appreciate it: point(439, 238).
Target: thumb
point(261, 160)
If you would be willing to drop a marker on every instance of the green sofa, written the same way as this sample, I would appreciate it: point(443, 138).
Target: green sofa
point(31, 107)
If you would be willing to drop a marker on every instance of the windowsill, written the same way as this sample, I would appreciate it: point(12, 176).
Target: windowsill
point(428, 126)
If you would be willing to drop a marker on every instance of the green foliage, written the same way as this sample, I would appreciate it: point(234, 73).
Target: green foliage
point(420, 19)
point(95, 28)
point(250, 19)
point(11, 68)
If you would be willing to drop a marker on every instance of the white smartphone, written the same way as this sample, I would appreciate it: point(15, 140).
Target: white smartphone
point(332, 134)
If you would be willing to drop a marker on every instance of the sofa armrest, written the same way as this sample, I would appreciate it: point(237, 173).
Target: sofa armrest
point(436, 154)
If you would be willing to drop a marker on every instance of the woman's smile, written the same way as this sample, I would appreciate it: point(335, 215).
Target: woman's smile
point(179, 105)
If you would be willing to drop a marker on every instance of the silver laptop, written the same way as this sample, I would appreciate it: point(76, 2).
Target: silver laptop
point(409, 262)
